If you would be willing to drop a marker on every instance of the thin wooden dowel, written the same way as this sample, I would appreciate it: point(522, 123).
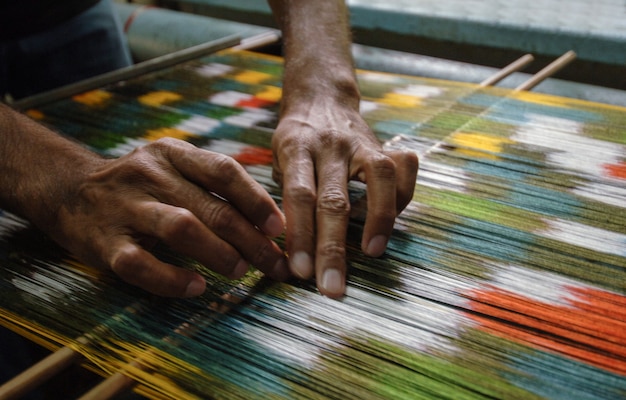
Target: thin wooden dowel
point(53, 364)
point(40, 372)
point(260, 40)
point(114, 384)
point(142, 68)
point(515, 66)
point(548, 71)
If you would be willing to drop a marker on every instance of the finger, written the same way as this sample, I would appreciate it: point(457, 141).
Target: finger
point(407, 166)
point(140, 268)
point(183, 232)
point(332, 215)
point(222, 175)
point(299, 202)
point(380, 176)
point(216, 236)
point(229, 225)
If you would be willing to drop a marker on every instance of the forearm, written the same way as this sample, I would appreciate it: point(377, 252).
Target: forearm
point(37, 167)
point(317, 49)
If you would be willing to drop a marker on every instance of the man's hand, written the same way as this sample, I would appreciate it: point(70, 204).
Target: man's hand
point(109, 213)
point(322, 142)
point(199, 203)
point(318, 149)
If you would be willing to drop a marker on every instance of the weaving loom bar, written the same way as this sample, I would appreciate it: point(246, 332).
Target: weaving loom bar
point(112, 386)
point(53, 364)
point(548, 71)
point(38, 373)
point(260, 40)
point(515, 66)
point(136, 70)
point(536, 79)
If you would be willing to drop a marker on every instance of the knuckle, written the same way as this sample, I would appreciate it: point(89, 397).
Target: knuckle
point(332, 251)
point(333, 200)
point(127, 264)
point(220, 217)
point(287, 142)
point(335, 139)
point(226, 165)
point(303, 194)
point(411, 160)
point(406, 158)
point(383, 166)
point(165, 143)
point(181, 223)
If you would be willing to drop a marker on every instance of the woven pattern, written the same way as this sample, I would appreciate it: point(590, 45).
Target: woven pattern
point(505, 277)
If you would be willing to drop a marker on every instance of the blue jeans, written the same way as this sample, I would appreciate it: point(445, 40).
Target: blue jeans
point(84, 46)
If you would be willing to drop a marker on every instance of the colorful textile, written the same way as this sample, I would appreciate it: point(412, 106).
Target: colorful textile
point(505, 277)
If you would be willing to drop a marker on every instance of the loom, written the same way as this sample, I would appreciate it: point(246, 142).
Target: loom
point(505, 276)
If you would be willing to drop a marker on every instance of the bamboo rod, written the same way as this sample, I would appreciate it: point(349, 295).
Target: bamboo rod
point(53, 364)
point(133, 71)
point(515, 66)
point(40, 372)
point(262, 39)
point(114, 384)
point(548, 71)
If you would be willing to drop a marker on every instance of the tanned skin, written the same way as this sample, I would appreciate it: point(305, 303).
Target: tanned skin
point(322, 142)
point(108, 212)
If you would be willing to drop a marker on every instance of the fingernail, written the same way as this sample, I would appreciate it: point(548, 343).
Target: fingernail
point(376, 247)
point(332, 282)
point(274, 225)
point(301, 265)
point(195, 288)
point(240, 270)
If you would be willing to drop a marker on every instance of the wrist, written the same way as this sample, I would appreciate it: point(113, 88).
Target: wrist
point(41, 171)
point(338, 89)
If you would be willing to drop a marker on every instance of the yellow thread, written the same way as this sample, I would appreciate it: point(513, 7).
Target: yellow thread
point(550, 100)
point(35, 114)
point(479, 144)
point(252, 77)
point(271, 93)
point(93, 98)
point(156, 134)
point(400, 100)
point(159, 98)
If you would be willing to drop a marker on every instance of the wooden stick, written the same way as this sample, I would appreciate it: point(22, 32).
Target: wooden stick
point(142, 68)
point(548, 71)
point(262, 39)
point(508, 70)
point(40, 372)
point(114, 384)
point(54, 363)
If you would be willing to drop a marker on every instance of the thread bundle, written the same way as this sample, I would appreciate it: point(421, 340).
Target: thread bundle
point(505, 277)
